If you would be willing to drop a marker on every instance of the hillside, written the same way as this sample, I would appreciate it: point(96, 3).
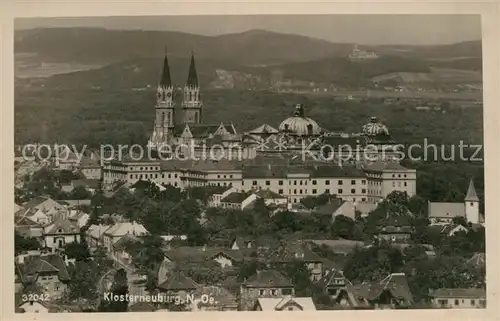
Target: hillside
point(343, 72)
point(469, 49)
point(93, 45)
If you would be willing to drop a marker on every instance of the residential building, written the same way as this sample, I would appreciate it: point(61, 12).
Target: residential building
point(298, 251)
point(333, 281)
point(337, 206)
point(391, 293)
point(115, 232)
point(460, 298)
point(59, 233)
point(80, 218)
point(263, 284)
point(94, 235)
point(47, 271)
point(396, 229)
point(286, 303)
point(177, 283)
point(34, 307)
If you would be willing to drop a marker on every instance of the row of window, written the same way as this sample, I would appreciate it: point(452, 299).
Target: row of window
point(399, 175)
point(399, 184)
point(314, 182)
point(230, 176)
point(145, 168)
point(297, 199)
point(146, 176)
point(315, 191)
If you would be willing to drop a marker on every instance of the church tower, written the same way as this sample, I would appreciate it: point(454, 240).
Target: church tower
point(192, 104)
point(472, 204)
point(165, 107)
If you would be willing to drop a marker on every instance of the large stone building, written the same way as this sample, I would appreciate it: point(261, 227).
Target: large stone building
point(267, 158)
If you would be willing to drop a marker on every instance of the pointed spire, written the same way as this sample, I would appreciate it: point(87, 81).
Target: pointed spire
point(192, 80)
point(471, 193)
point(165, 81)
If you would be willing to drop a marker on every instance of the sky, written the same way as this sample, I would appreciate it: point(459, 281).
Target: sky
point(362, 29)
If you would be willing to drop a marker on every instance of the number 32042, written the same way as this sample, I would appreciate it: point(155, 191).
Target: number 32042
point(35, 297)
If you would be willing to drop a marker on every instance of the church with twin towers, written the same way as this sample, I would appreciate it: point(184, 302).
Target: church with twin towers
point(175, 125)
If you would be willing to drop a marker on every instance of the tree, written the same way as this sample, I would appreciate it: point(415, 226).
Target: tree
point(248, 269)
point(343, 227)
point(102, 261)
point(77, 251)
point(373, 263)
point(299, 274)
point(79, 193)
point(119, 288)
point(83, 283)
point(23, 244)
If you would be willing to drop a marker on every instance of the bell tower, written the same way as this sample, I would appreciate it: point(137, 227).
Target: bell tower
point(165, 107)
point(191, 103)
point(472, 204)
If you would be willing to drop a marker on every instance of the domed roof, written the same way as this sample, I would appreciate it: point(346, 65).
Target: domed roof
point(300, 125)
point(375, 128)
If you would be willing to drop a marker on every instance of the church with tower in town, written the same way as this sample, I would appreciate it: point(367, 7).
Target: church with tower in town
point(176, 125)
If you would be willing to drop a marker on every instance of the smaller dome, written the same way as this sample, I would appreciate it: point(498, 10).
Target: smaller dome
point(300, 125)
point(375, 128)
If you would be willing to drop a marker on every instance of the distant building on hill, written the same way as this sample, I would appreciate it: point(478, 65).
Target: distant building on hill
point(358, 54)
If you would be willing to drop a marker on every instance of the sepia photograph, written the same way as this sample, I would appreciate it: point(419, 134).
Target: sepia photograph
point(270, 163)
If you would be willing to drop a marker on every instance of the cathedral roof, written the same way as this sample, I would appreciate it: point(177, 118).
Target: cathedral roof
point(375, 128)
point(192, 80)
point(165, 81)
point(300, 125)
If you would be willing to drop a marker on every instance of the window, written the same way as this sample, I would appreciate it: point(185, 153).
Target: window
point(363, 191)
point(399, 184)
point(268, 183)
point(363, 182)
point(471, 203)
point(231, 176)
point(327, 182)
point(280, 183)
point(353, 190)
point(314, 191)
point(353, 182)
point(456, 302)
point(314, 182)
point(290, 308)
point(254, 183)
point(340, 191)
point(340, 182)
point(300, 183)
point(404, 184)
point(294, 182)
point(261, 292)
point(300, 191)
point(473, 302)
point(327, 191)
point(280, 191)
point(393, 184)
point(286, 291)
point(169, 175)
point(295, 191)
point(175, 175)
